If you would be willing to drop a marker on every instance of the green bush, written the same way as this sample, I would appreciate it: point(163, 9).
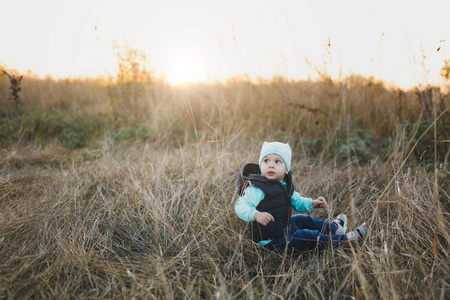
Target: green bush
point(76, 131)
point(357, 143)
point(414, 131)
point(7, 131)
point(139, 132)
point(422, 137)
point(30, 126)
point(71, 129)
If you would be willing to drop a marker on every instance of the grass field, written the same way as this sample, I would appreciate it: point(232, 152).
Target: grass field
point(127, 190)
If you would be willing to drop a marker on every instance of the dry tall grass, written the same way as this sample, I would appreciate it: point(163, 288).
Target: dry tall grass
point(156, 220)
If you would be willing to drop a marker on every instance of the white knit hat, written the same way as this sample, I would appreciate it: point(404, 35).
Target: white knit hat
point(283, 150)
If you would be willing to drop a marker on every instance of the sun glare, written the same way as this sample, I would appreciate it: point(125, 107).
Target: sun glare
point(185, 65)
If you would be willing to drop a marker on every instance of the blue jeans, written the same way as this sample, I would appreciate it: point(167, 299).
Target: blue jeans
point(308, 233)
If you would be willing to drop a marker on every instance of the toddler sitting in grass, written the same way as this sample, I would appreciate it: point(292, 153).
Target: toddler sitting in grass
point(267, 203)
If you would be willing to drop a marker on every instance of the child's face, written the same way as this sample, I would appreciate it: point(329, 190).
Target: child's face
point(273, 167)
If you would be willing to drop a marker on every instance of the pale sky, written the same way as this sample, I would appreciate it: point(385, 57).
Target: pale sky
point(211, 39)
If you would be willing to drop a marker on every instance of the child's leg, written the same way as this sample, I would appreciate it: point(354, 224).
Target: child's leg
point(304, 239)
point(306, 222)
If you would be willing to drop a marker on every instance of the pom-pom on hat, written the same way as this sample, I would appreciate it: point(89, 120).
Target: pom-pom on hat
point(283, 150)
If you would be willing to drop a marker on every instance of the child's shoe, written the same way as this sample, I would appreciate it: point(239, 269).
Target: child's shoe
point(360, 232)
point(341, 222)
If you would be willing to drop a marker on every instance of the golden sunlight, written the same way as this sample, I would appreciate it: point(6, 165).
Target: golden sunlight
point(185, 65)
point(202, 40)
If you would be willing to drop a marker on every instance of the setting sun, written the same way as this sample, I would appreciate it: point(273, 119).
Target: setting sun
point(185, 65)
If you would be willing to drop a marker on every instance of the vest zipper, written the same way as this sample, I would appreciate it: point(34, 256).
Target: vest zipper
point(288, 202)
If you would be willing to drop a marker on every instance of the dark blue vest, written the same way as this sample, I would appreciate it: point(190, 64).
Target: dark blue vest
point(277, 202)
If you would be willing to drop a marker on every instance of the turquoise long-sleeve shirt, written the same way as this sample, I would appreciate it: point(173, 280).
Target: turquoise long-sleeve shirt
point(245, 208)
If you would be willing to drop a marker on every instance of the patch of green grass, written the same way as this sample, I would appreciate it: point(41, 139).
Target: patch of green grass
point(139, 132)
point(430, 143)
point(72, 130)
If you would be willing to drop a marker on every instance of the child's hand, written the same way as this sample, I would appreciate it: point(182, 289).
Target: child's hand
point(263, 218)
point(319, 203)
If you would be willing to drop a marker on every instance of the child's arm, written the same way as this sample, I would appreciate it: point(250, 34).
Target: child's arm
point(245, 208)
point(301, 204)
